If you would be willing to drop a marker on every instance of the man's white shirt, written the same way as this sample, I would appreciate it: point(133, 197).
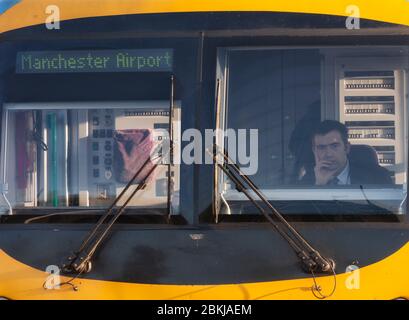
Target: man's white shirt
point(344, 178)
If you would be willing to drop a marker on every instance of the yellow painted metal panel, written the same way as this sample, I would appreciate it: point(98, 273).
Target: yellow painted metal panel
point(33, 12)
point(386, 279)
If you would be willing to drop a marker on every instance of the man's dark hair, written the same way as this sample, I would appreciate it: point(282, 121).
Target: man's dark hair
point(331, 125)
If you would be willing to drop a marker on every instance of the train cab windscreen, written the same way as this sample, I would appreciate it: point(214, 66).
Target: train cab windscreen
point(327, 128)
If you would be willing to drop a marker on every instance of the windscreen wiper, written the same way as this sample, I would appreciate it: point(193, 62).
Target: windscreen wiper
point(80, 261)
point(312, 261)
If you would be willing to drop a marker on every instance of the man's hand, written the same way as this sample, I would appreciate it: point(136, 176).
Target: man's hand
point(323, 173)
point(132, 150)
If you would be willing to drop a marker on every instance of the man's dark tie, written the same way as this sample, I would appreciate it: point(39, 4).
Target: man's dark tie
point(333, 182)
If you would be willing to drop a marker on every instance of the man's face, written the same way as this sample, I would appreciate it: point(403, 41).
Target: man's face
point(330, 151)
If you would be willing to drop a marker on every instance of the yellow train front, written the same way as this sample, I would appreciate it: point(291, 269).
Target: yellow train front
point(89, 90)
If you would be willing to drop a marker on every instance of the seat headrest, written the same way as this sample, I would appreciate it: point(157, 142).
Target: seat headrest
point(363, 154)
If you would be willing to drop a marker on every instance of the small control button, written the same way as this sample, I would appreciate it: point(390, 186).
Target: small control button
point(96, 173)
point(95, 133)
point(108, 146)
point(108, 120)
point(95, 121)
point(95, 160)
point(102, 133)
point(108, 175)
point(95, 146)
point(108, 161)
point(109, 133)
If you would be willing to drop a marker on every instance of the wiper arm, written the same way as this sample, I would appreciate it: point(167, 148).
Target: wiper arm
point(80, 261)
point(312, 261)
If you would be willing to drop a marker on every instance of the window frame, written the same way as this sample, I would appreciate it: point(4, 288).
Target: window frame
point(222, 76)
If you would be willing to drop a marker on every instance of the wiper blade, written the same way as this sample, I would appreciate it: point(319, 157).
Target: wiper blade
point(80, 261)
point(312, 261)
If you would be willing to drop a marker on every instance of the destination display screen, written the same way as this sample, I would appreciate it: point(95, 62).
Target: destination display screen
point(141, 60)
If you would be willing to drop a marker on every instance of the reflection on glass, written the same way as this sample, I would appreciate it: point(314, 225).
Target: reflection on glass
point(84, 157)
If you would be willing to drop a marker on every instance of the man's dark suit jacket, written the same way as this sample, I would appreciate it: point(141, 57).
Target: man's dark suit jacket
point(360, 175)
